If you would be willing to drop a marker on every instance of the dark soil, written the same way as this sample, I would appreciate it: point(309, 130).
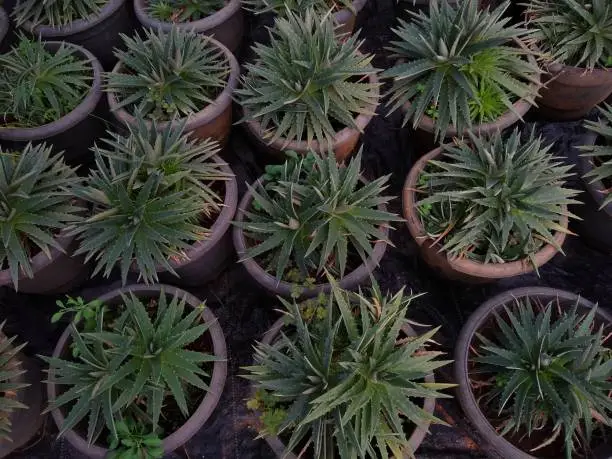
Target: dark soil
point(245, 311)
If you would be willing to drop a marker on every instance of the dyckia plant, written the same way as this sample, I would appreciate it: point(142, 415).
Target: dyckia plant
point(549, 369)
point(10, 370)
point(36, 204)
point(306, 81)
point(495, 199)
point(314, 214)
point(182, 10)
point(601, 154)
point(56, 13)
point(456, 56)
point(281, 7)
point(344, 385)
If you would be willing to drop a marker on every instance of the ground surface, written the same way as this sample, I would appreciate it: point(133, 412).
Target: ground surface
point(245, 311)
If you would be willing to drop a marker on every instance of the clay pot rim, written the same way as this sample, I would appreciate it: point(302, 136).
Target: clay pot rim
point(578, 76)
point(461, 356)
point(344, 14)
point(206, 407)
point(283, 288)
point(218, 229)
point(75, 27)
point(464, 265)
point(204, 116)
point(362, 120)
point(596, 189)
point(417, 435)
point(71, 119)
point(204, 24)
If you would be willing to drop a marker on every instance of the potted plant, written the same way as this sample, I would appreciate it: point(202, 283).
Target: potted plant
point(488, 208)
point(450, 79)
point(345, 376)
point(344, 11)
point(576, 38)
point(595, 167)
point(307, 91)
point(92, 24)
point(49, 92)
point(20, 396)
point(533, 373)
point(222, 19)
point(151, 369)
point(161, 206)
point(173, 77)
point(309, 216)
point(38, 207)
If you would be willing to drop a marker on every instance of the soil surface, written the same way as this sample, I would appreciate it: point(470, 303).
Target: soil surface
point(245, 311)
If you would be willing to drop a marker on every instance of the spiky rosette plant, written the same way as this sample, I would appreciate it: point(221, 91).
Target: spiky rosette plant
point(454, 60)
point(313, 213)
point(140, 353)
point(347, 382)
point(306, 81)
point(10, 370)
point(56, 13)
point(38, 86)
point(495, 199)
point(36, 203)
point(148, 193)
point(182, 10)
point(601, 154)
point(573, 32)
point(167, 75)
point(281, 7)
point(548, 372)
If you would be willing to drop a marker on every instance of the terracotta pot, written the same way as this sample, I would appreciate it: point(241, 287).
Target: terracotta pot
point(205, 408)
point(213, 121)
point(595, 226)
point(206, 259)
point(346, 19)
point(572, 92)
point(59, 274)
point(462, 268)
point(75, 132)
point(417, 436)
point(100, 34)
point(24, 422)
point(344, 142)
point(466, 340)
point(269, 282)
point(4, 25)
point(226, 25)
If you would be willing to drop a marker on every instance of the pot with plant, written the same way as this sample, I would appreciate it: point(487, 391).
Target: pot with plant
point(37, 208)
point(345, 376)
point(50, 91)
point(310, 216)
point(161, 205)
point(144, 373)
point(488, 208)
point(92, 24)
point(576, 40)
point(20, 396)
point(449, 79)
point(222, 19)
point(595, 168)
point(344, 12)
point(175, 77)
point(533, 371)
point(306, 90)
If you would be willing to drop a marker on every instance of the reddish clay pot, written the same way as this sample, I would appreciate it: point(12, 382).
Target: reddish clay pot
point(214, 121)
point(100, 34)
point(205, 408)
point(417, 436)
point(463, 352)
point(281, 288)
point(226, 25)
point(461, 268)
point(572, 92)
point(343, 145)
point(206, 259)
point(346, 19)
